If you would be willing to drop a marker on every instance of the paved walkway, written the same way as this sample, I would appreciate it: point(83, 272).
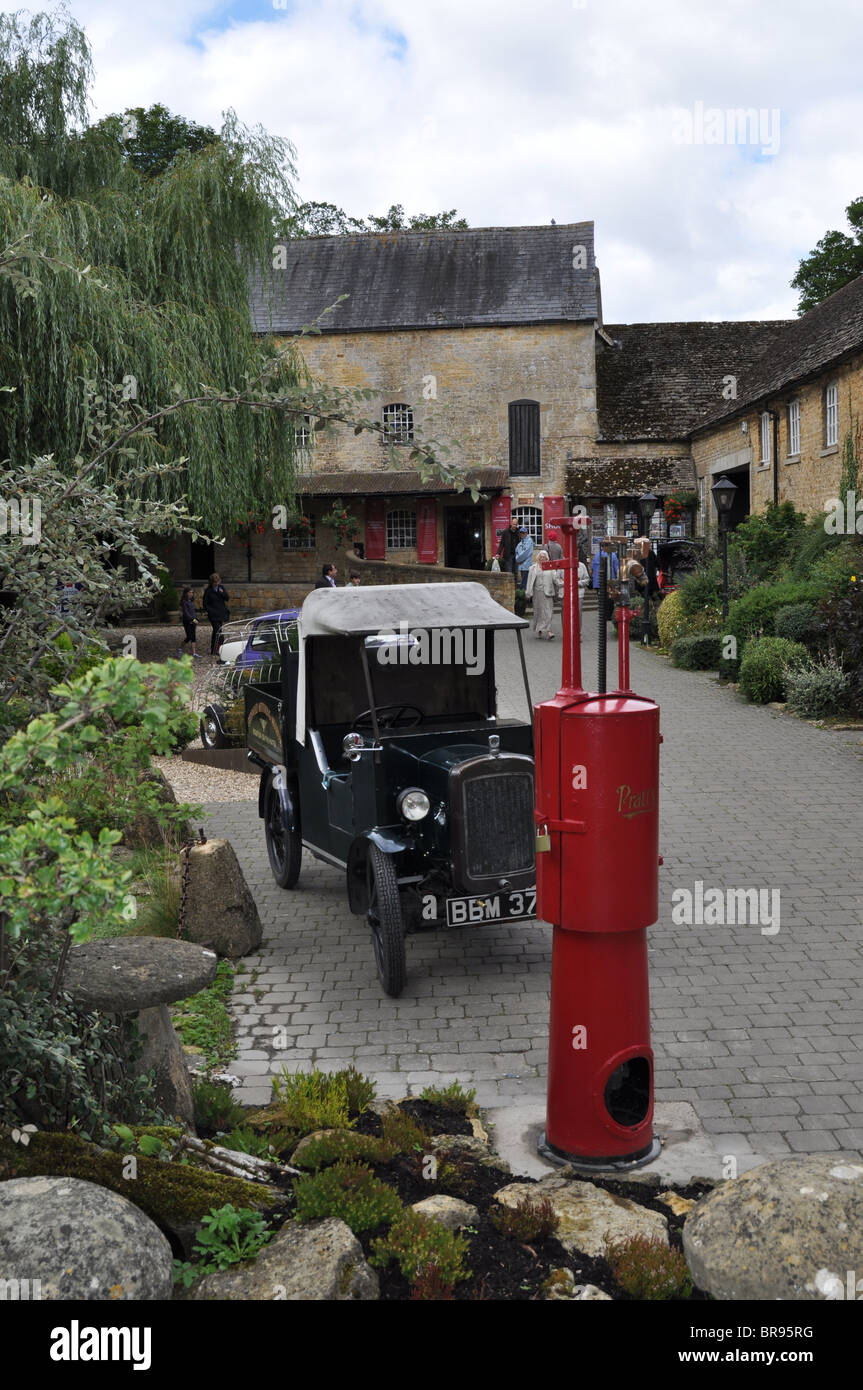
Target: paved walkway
point(763, 1034)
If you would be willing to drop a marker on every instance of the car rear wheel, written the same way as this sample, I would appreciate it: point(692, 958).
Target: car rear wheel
point(213, 727)
point(283, 836)
point(386, 922)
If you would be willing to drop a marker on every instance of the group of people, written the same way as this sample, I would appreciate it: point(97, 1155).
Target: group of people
point(328, 578)
point(214, 602)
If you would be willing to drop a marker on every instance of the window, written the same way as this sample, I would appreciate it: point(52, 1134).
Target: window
point(401, 530)
point(702, 505)
point(531, 519)
point(765, 436)
point(831, 415)
point(300, 536)
point(524, 438)
point(398, 421)
point(794, 427)
point(303, 433)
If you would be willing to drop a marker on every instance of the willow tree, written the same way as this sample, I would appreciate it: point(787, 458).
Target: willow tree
point(159, 302)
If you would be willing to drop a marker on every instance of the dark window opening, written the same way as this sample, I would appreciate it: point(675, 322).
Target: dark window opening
point(524, 456)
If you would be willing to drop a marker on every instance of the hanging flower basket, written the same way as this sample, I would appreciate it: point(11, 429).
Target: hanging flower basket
point(346, 527)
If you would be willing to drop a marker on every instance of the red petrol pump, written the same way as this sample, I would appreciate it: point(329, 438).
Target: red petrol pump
point(597, 817)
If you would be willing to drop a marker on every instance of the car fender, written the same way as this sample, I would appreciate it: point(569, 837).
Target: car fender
point(276, 774)
point(390, 841)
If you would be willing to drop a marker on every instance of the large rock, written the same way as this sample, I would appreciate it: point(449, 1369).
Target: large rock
point(162, 1053)
point(318, 1261)
point(791, 1229)
point(80, 1241)
point(588, 1215)
point(220, 910)
point(136, 972)
point(449, 1211)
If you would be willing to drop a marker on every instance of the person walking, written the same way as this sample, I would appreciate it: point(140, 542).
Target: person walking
point(554, 547)
point(524, 556)
point(543, 586)
point(187, 613)
point(507, 547)
point(603, 551)
point(328, 577)
point(215, 600)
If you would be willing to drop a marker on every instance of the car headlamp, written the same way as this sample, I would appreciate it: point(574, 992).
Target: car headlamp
point(413, 804)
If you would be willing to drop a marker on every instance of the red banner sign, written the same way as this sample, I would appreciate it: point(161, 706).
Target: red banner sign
point(427, 532)
point(376, 528)
point(501, 511)
point(554, 509)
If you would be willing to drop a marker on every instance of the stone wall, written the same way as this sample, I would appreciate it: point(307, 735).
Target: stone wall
point(500, 586)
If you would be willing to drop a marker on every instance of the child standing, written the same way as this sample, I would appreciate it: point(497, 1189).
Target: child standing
point(187, 611)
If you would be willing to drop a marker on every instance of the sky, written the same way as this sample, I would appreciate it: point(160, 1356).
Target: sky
point(711, 144)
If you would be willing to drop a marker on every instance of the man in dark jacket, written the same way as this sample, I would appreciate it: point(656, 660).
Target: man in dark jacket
point(215, 601)
point(506, 549)
point(328, 577)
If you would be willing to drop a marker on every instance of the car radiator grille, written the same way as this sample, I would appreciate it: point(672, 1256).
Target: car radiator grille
point(499, 824)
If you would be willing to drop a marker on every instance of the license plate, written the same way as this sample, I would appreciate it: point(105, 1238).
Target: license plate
point(492, 907)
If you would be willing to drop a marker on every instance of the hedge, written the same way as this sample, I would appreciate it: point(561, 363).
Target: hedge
point(765, 664)
point(698, 652)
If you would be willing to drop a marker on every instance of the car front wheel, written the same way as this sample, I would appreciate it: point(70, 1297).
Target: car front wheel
point(386, 922)
point(213, 727)
point(283, 836)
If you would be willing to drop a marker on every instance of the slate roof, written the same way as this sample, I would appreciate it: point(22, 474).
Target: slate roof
point(806, 347)
point(486, 276)
point(387, 482)
point(629, 476)
point(665, 378)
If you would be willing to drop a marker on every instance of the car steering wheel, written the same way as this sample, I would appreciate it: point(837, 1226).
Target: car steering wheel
point(388, 716)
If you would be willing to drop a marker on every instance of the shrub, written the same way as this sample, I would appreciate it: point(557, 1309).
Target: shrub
point(226, 1237)
point(817, 691)
point(402, 1135)
point(813, 548)
point(671, 619)
point(840, 625)
point(306, 1101)
point(702, 590)
point(349, 1191)
point(797, 622)
point(767, 539)
point(529, 1220)
point(451, 1097)
point(764, 665)
point(699, 652)
point(430, 1285)
point(246, 1141)
point(215, 1107)
point(753, 614)
point(336, 1148)
point(417, 1242)
point(645, 1268)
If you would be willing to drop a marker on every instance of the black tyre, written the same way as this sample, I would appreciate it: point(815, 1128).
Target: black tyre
point(213, 727)
point(386, 922)
point(283, 835)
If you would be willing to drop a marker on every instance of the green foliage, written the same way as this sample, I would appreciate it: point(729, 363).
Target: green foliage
point(841, 628)
point(701, 591)
point(226, 1237)
point(247, 1141)
point(531, 1219)
point(325, 219)
point(349, 1191)
point(753, 614)
point(836, 260)
point(645, 1268)
point(797, 622)
point(768, 539)
point(813, 545)
point(215, 1107)
point(203, 1020)
point(151, 139)
point(764, 667)
point(701, 651)
point(402, 1134)
point(338, 1147)
point(452, 1097)
point(673, 622)
point(430, 1286)
point(819, 690)
point(418, 1243)
point(306, 1101)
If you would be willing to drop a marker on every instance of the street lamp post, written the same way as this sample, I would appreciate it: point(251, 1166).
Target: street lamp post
point(646, 508)
point(724, 492)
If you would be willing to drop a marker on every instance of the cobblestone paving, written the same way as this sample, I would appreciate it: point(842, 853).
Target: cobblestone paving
point(763, 1034)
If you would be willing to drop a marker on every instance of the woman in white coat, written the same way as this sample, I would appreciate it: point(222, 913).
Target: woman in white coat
point(543, 586)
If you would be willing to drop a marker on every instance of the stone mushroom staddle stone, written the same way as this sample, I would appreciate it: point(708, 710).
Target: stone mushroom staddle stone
point(80, 1241)
point(142, 975)
point(220, 910)
point(791, 1229)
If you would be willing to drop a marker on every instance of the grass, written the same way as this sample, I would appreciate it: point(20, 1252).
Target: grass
point(155, 889)
point(203, 1020)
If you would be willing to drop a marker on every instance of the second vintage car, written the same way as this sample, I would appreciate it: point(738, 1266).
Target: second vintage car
point(381, 753)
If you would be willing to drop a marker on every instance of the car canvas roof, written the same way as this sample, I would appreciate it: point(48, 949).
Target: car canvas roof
point(383, 607)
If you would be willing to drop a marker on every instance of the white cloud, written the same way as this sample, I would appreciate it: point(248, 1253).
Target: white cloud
point(517, 113)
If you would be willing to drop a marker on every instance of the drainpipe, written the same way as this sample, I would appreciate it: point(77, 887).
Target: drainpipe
point(774, 415)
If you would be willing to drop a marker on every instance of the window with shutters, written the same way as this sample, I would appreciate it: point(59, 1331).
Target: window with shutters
point(524, 457)
point(398, 422)
point(401, 529)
